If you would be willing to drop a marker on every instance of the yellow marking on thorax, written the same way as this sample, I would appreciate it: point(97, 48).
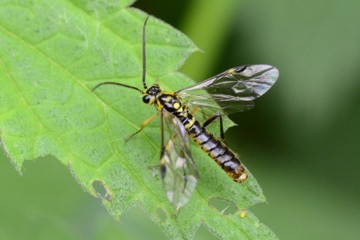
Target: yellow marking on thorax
point(159, 106)
point(168, 99)
point(177, 106)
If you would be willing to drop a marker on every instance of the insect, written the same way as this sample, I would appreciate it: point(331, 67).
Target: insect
point(231, 91)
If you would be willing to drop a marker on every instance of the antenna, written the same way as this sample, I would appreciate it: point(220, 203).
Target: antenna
point(143, 63)
point(144, 52)
point(118, 84)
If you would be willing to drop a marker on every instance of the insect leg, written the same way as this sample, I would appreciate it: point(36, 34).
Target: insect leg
point(212, 119)
point(162, 150)
point(143, 125)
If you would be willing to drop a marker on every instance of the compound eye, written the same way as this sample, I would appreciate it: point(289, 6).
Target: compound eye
point(146, 99)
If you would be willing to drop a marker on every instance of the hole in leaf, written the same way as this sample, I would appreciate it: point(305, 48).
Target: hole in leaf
point(161, 213)
point(223, 206)
point(101, 190)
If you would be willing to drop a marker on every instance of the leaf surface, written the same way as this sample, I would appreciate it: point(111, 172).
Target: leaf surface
point(52, 54)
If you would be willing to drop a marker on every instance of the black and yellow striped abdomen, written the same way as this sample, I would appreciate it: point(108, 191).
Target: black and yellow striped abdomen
point(213, 146)
point(218, 151)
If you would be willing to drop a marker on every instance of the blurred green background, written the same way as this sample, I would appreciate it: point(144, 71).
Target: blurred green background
point(301, 141)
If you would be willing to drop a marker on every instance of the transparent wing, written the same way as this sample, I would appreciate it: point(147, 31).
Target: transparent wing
point(178, 170)
point(233, 90)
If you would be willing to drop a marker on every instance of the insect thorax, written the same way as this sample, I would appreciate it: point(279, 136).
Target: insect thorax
point(170, 102)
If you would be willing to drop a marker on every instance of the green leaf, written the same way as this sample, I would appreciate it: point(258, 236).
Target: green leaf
point(52, 54)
